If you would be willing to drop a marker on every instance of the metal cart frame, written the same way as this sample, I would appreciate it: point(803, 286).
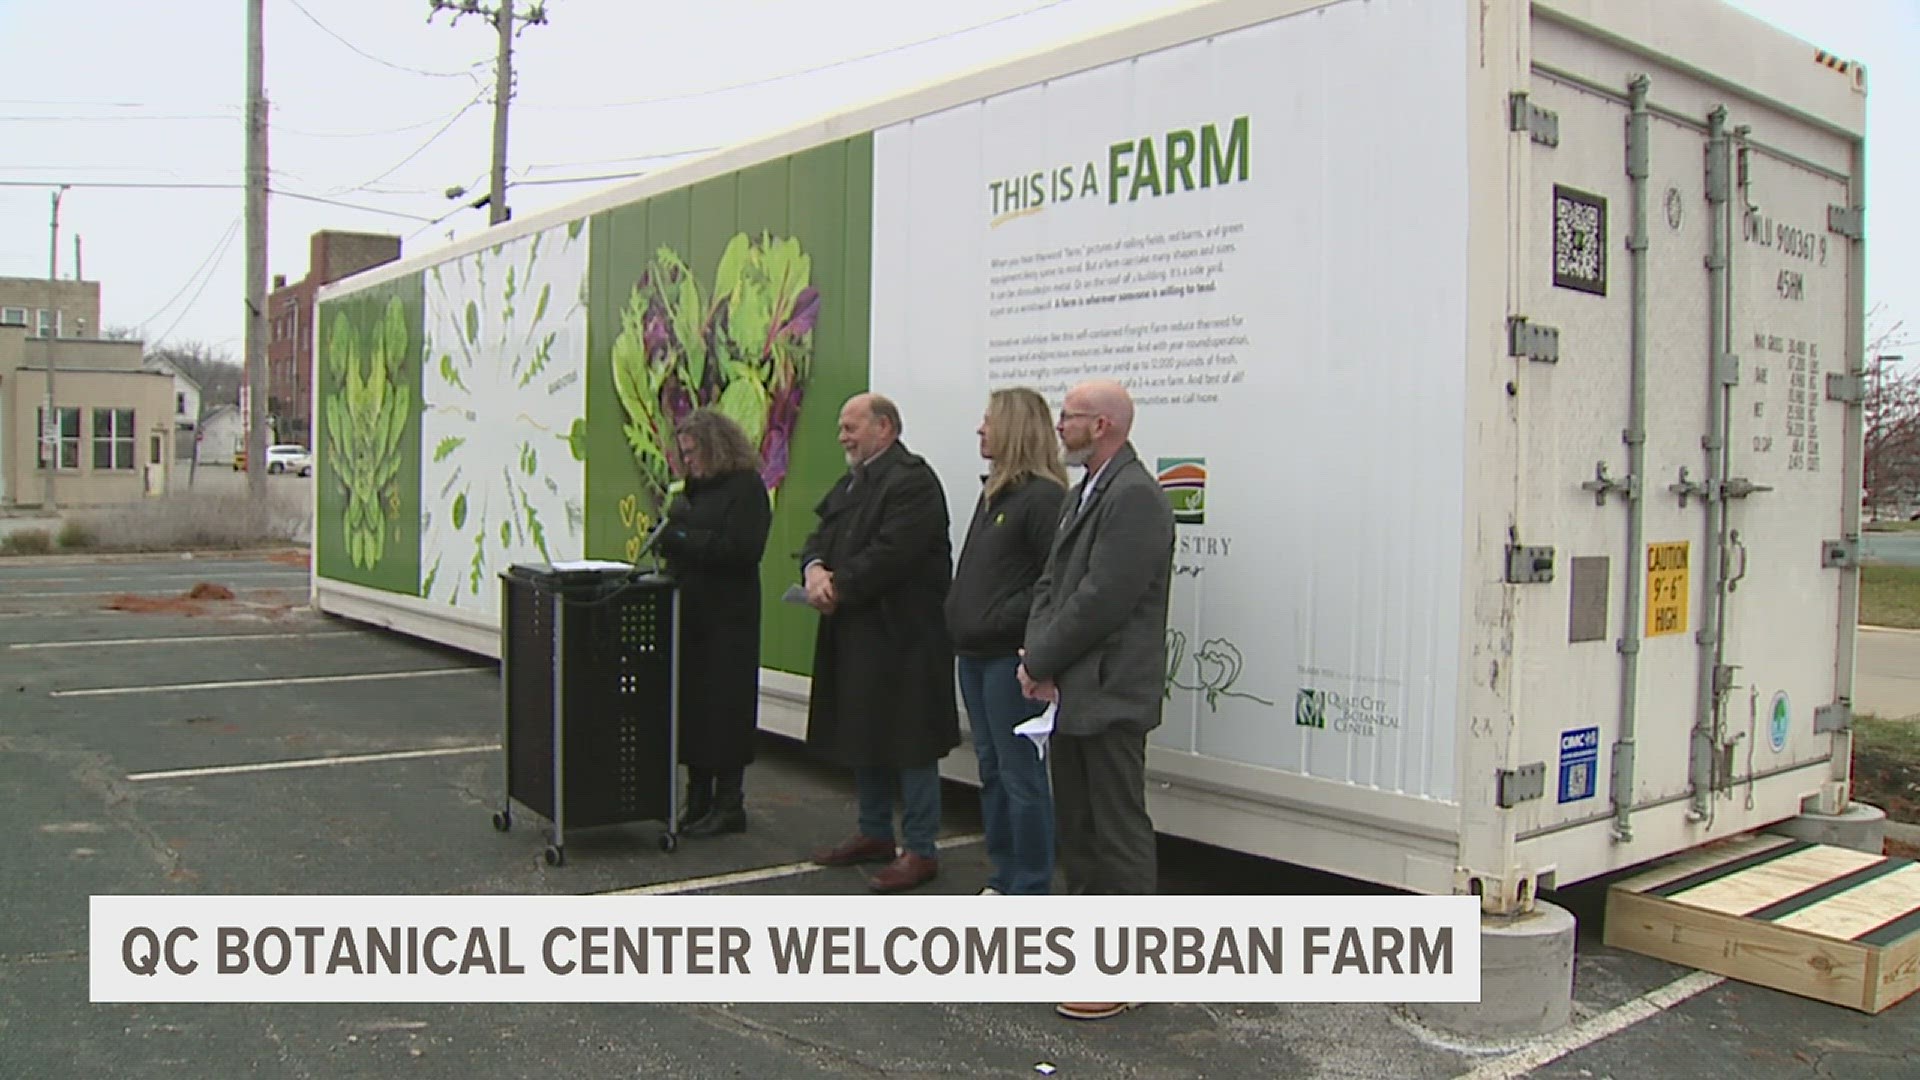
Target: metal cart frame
point(569, 607)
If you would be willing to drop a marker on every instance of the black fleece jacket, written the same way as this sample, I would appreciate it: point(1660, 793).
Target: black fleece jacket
point(1006, 549)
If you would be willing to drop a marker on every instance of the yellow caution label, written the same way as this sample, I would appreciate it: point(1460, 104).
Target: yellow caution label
point(1667, 588)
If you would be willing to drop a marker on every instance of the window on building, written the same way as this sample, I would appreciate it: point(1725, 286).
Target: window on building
point(68, 436)
point(153, 449)
point(113, 439)
point(180, 403)
point(13, 316)
point(49, 322)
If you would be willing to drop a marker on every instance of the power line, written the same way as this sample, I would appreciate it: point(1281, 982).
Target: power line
point(619, 160)
point(367, 55)
point(112, 119)
point(344, 205)
point(421, 149)
point(416, 126)
point(204, 282)
point(770, 80)
point(131, 185)
point(218, 246)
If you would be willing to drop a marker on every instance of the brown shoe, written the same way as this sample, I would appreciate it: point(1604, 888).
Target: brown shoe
point(905, 872)
point(855, 849)
point(1093, 1010)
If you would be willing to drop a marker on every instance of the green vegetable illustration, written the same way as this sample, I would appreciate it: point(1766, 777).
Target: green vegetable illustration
point(511, 334)
point(745, 349)
point(366, 419)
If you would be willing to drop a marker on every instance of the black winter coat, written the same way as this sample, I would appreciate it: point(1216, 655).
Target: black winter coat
point(1006, 549)
point(883, 683)
point(715, 535)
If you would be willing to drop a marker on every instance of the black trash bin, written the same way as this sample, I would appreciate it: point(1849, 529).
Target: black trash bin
point(591, 691)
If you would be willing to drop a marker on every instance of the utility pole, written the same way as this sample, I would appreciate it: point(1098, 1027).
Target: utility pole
point(503, 18)
point(256, 214)
point(50, 421)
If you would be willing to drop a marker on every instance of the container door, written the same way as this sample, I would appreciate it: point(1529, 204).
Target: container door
point(1578, 425)
point(1705, 632)
point(1790, 289)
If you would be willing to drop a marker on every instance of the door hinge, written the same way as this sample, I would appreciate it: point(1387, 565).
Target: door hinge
point(1524, 784)
point(1848, 221)
point(1533, 341)
point(1846, 387)
point(1542, 125)
point(1529, 565)
point(1835, 717)
point(1843, 554)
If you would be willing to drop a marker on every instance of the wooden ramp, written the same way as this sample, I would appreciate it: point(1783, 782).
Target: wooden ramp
point(1828, 923)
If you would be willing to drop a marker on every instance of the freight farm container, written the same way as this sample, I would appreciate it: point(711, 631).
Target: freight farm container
point(1501, 362)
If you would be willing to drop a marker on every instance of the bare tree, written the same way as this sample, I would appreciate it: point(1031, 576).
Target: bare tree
point(1891, 469)
point(216, 371)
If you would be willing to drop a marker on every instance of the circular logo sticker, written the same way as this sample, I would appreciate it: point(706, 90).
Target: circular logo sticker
point(1778, 725)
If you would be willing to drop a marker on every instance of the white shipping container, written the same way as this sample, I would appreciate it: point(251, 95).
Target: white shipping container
point(1502, 361)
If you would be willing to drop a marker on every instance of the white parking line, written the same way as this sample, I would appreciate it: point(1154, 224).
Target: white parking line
point(199, 640)
point(764, 873)
point(242, 684)
point(309, 763)
point(1612, 1022)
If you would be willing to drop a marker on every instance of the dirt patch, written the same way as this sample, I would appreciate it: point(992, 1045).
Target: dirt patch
point(193, 602)
point(302, 559)
point(155, 605)
point(1900, 850)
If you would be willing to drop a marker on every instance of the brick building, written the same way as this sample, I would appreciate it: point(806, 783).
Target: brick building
point(290, 337)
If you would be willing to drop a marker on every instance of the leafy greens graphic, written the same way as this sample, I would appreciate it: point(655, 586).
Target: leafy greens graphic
point(366, 419)
point(744, 349)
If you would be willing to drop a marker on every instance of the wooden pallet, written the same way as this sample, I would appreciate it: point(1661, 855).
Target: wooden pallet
point(1828, 923)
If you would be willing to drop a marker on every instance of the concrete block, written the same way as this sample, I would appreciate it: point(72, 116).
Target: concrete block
point(1526, 979)
point(1859, 826)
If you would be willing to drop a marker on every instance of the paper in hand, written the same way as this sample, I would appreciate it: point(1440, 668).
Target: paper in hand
point(795, 594)
point(1038, 729)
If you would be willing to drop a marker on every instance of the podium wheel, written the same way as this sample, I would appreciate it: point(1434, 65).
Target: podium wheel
point(502, 820)
point(556, 856)
point(668, 842)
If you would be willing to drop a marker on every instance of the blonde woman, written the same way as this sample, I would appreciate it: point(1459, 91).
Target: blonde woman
point(1006, 549)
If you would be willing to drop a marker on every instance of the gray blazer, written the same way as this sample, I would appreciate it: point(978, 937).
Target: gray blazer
point(1098, 626)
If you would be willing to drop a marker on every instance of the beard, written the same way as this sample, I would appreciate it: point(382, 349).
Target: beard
point(1076, 457)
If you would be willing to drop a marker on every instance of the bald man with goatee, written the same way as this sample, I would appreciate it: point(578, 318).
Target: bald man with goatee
point(1096, 647)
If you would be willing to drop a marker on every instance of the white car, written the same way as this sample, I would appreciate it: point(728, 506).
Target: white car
point(289, 457)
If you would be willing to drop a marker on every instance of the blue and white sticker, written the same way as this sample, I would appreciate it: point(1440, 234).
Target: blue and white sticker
point(1579, 758)
point(1779, 722)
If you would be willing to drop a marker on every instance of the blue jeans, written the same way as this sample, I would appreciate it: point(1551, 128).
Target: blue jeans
point(1015, 803)
point(919, 789)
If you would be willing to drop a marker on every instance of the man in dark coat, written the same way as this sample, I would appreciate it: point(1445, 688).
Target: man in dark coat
point(877, 568)
point(1096, 646)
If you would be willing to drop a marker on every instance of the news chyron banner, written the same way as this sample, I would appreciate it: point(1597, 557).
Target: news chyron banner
point(784, 949)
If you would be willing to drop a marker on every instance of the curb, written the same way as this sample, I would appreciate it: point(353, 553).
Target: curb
point(228, 555)
point(1903, 832)
point(1889, 629)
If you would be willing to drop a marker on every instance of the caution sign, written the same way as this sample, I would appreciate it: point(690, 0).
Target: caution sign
point(1667, 566)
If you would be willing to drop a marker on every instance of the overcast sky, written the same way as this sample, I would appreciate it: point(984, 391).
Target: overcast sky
point(121, 91)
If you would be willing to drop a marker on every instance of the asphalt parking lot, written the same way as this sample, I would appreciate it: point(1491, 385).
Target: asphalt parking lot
point(151, 745)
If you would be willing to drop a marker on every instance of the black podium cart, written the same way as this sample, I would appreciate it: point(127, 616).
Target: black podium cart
point(591, 691)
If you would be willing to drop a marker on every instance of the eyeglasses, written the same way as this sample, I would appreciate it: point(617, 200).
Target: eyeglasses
point(1079, 416)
